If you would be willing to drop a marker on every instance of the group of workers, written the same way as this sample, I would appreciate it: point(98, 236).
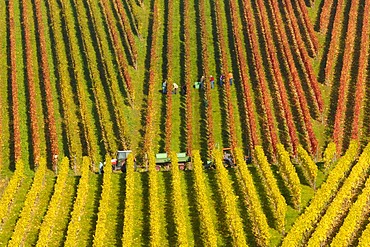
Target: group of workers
point(222, 80)
point(200, 84)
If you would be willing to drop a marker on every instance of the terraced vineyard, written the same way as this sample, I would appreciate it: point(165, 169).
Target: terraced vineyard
point(283, 84)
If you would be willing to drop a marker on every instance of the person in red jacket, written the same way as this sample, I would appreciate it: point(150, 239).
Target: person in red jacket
point(212, 80)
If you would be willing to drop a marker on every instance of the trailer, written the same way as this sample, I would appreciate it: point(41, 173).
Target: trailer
point(163, 161)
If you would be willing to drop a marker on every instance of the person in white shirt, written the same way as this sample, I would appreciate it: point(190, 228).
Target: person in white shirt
point(175, 88)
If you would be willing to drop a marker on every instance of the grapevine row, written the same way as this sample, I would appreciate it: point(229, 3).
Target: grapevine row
point(14, 87)
point(242, 63)
point(10, 190)
point(187, 79)
point(50, 123)
point(342, 202)
point(50, 219)
point(275, 98)
point(307, 44)
point(303, 10)
point(178, 204)
point(258, 219)
point(21, 228)
point(169, 65)
point(4, 100)
point(345, 76)
point(278, 76)
point(128, 223)
point(168, 124)
point(205, 59)
point(34, 128)
point(79, 77)
point(334, 41)
point(305, 224)
point(309, 167)
point(150, 113)
point(224, 67)
point(325, 15)
point(229, 201)
point(115, 36)
point(290, 88)
point(137, 25)
point(310, 74)
point(295, 77)
point(114, 89)
point(361, 77)
point(74, 226)
point(154, 220)
point(289, 175)
point(365, 237)
point(104, 206)
point(127, 30)
point(207, 227)
point(105, 120)
point(329, 155)
point(354, 219)
point(189, 109)
point(67, 95)
point(276, 200)
point(266, 105)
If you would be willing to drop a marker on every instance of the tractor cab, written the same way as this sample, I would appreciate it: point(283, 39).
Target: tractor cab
point(119, 163)
point(228, 158)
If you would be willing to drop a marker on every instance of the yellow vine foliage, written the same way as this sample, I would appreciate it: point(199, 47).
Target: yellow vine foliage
point(11, 189)
point(104, 206)
point(289, 175)
point(77, 64)
point(74, 226)
point(304, 225)
point(50, 218)
point(343, 201)
point(155, 225)
point(309, 167)
point(206, 223)
point(230, 201)
point(365, 237)
point(329, 155)
point(178, 205)
point(258, 219)
point(20, 230)
point(354, 219)
point(129, 221)
point(277, 202)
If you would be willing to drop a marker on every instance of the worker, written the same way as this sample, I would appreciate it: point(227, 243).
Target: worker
point(164, 87)
point(222, 78)
point(123, 167)
point(201, 84)
point(228, 160)
point(197, 85)
point(212, 80)
point(230, 78)
point(175, 88)
point(202, 79)
point(101, 168)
